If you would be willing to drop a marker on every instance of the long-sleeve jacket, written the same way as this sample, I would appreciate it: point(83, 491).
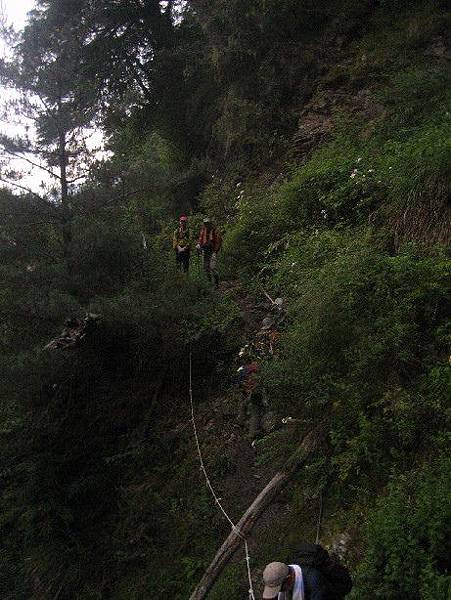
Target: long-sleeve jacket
point(210, 238)
point(181, 238)
point(315, 584)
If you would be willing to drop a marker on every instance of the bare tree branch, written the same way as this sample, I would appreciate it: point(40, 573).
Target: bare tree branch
point(243, 528)
point(31, 162)
point(24, 188)
point(49, 111)
point(85, 174)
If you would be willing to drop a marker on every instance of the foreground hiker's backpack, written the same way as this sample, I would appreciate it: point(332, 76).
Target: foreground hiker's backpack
point(338, 578)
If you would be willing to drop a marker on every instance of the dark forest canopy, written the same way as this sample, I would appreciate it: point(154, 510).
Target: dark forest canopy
point(316, 135)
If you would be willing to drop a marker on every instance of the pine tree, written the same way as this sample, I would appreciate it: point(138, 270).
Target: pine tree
point(44, 73)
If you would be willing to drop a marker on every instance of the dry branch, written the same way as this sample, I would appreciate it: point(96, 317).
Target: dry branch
point(252, 514)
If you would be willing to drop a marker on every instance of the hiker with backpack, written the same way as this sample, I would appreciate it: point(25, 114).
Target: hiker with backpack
point(290, 582)
point(314, 575)
point(209, 244)
point(181, 244)
point(252, 406)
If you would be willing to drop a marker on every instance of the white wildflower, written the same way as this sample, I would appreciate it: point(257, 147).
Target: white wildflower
point(286, 420)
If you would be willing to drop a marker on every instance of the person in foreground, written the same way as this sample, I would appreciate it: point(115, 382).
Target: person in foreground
point(291, 582)
point(316, 575)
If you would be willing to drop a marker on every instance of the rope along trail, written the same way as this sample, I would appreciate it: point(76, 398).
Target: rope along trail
point(210, 486)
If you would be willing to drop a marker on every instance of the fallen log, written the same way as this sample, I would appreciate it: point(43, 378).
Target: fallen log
point(74, 332)
point(252, 514)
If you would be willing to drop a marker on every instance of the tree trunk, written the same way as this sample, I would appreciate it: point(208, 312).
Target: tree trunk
point(252, 514)
point(65, 203)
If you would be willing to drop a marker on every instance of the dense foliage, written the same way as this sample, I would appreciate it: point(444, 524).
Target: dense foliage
point(316, 135)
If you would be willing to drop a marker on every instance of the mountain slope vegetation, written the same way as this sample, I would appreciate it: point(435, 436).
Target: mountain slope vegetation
point(316, 136)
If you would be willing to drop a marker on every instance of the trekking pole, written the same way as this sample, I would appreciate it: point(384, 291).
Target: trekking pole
point(199, 261)
point(268, 296)
point(320, 516)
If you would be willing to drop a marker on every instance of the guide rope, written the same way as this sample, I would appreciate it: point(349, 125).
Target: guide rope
point(210, 486)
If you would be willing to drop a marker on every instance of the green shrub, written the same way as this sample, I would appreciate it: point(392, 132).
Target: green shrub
point(406, 549)
point(366, 338)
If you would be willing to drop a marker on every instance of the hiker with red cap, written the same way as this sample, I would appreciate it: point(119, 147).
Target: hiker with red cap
point(209, 243)
point(181, 244)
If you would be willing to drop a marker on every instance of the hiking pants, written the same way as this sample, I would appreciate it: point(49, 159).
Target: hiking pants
point(182, 259)
point(250, 412)
point(209, 264)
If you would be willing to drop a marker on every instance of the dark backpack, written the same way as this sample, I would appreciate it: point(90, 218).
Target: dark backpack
point(339, 582)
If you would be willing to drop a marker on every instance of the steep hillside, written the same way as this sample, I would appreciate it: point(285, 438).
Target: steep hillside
point(316, 136)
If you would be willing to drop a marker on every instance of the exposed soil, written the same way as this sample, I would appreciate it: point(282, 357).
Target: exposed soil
point(245, 478)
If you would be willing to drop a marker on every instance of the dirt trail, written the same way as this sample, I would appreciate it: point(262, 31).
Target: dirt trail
point(244, 474)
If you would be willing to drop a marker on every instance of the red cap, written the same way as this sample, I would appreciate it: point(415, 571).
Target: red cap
point(183, 218)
